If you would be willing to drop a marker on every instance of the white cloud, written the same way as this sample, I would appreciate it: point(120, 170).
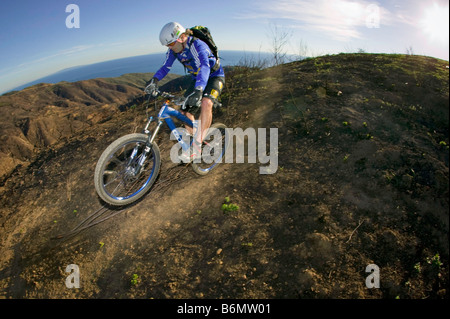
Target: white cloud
point(435, 23)
point(340, 20)
point(66, 52)
point(15, 75)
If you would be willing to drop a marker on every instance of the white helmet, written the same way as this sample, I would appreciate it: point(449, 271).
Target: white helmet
point(170, 33)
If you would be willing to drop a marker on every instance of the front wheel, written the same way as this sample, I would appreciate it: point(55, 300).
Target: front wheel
point(127, 169)
point(213, 149)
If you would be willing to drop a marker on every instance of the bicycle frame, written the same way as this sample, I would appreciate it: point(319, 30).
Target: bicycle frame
point(118, 171)
point(166, 113)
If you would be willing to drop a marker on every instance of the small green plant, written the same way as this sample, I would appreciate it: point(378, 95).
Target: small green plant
point(390, 176)
point(101, 244)
point(134, 279)
point(418, 268)
point(345, 123)
point(229, 207)
point(435, 261)
point(226, 208)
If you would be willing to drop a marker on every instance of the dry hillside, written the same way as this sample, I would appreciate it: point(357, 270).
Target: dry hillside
point(362, 178)
point(39, 116)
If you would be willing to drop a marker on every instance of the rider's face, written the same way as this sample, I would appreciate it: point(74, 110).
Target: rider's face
point(178, 45)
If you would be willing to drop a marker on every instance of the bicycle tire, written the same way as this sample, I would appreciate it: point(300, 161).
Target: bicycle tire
point(114, 166)
point(203, 167)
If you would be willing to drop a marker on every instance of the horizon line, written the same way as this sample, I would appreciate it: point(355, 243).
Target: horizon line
point(32, 82)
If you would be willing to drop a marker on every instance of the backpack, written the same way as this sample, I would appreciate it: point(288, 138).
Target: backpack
point(202, 33)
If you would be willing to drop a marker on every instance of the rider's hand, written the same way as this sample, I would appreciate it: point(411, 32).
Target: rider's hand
point(195, 99)
point(152, 87)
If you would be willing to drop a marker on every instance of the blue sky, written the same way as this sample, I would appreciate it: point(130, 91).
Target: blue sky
point(35, 41)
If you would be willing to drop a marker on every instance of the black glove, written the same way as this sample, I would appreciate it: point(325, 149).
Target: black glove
point(152, 87)
point(195, 99)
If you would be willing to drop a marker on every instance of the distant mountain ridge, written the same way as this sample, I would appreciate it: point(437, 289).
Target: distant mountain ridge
point(43, 114)
point(136, 64)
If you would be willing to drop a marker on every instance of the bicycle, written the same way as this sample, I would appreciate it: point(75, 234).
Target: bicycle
point(130, 165)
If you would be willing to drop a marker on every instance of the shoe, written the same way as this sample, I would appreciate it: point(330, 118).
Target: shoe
point(192, 154)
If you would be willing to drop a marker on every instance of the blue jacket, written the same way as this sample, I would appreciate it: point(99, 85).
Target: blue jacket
point(198, 60)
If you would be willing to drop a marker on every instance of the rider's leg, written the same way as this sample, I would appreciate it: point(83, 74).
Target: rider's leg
point(205, 119)
point(210, 95)
point(192, 118)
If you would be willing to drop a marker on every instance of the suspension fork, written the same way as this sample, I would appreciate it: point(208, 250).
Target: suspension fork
point(148, 147)
point(152, 138)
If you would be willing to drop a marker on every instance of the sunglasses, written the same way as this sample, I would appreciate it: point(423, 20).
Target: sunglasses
point(172, 44)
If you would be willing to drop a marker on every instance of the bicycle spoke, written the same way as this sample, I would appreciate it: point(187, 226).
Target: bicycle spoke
point(108, 172)
point(122, 180)
point(115, 160)
point(114, 191)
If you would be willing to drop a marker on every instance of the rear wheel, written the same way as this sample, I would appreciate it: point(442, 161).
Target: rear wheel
point(126, 170)
point(213, 150)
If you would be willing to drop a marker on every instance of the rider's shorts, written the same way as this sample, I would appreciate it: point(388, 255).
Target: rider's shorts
point(213, 88)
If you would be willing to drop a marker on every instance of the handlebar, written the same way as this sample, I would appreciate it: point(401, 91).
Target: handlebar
point(177, 100)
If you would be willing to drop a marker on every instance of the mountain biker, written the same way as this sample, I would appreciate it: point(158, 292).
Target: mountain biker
point(207, 73)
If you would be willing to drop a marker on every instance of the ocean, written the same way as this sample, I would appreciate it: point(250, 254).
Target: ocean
point(141, 64)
